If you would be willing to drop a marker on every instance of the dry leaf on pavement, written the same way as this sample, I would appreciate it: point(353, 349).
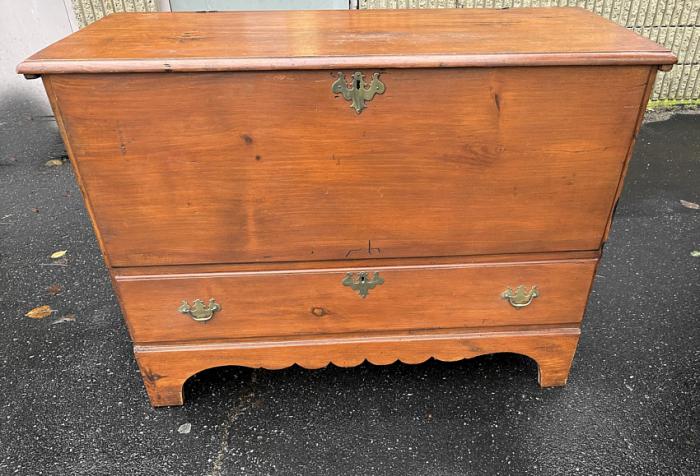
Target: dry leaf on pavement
point(53, 163)
point(40, 312)
point(691, 205)
point(54, 289)
point(59, 254)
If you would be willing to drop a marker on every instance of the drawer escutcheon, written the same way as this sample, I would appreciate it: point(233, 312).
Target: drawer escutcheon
point(520, 298)
point(362, 282)
point(356, 92)
point(199, 311)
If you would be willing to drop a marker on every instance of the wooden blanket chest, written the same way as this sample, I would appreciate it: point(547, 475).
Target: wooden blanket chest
point(314, 187)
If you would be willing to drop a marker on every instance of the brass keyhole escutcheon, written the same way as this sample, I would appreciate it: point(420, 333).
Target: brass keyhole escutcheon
point(362, 283)
point(356, 92)
point(520, 297)
point(199, 311)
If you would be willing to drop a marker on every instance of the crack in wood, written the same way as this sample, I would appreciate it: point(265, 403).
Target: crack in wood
point(369, 249)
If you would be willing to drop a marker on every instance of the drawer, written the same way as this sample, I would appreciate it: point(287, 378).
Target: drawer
point(329, 301)
point(245, 167)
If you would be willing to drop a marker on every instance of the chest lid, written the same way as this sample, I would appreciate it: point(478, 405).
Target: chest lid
point(289, 40)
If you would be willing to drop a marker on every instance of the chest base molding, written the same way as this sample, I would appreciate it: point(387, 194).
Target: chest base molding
point(166, 368)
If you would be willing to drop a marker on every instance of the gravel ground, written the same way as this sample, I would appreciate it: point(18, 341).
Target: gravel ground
point(73, 403)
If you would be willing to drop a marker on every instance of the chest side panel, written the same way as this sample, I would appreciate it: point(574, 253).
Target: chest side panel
point(272, 166)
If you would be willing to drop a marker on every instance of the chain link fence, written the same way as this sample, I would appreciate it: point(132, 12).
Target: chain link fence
point(88, 11)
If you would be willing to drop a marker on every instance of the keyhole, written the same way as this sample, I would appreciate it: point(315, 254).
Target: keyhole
point(362, 279)
point(357, 84)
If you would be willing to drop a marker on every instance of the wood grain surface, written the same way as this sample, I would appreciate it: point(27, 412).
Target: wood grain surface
point(154, 272)
point(267, 167)
point(630, 149)
point(165, 42)
point(314, 301)
point(240, 176)
point(166, 368)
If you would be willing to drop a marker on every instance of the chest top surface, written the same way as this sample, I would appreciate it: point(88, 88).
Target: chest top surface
point(230, 41)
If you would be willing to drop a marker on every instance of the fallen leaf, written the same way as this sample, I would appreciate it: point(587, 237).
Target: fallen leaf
point(695, 253)
point(58, 254)
point(53, 163)
point(54, 289)
point(184, 428)
point(691, 205)
point(40, 312)
point(66, 318)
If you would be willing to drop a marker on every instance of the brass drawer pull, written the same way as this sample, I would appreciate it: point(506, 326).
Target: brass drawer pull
point(362, 282)
point(520, 298)
point(199, 311)
point(356, 92)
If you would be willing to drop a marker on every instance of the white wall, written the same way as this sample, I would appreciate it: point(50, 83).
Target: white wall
point(27, 26)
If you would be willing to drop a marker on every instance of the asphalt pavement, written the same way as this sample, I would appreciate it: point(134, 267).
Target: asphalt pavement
point(72, 400)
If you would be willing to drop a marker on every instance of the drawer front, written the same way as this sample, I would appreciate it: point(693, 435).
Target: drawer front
point(272, 166)
point(329, 301)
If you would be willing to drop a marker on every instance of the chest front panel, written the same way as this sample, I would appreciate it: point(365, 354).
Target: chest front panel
point(273, 166)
